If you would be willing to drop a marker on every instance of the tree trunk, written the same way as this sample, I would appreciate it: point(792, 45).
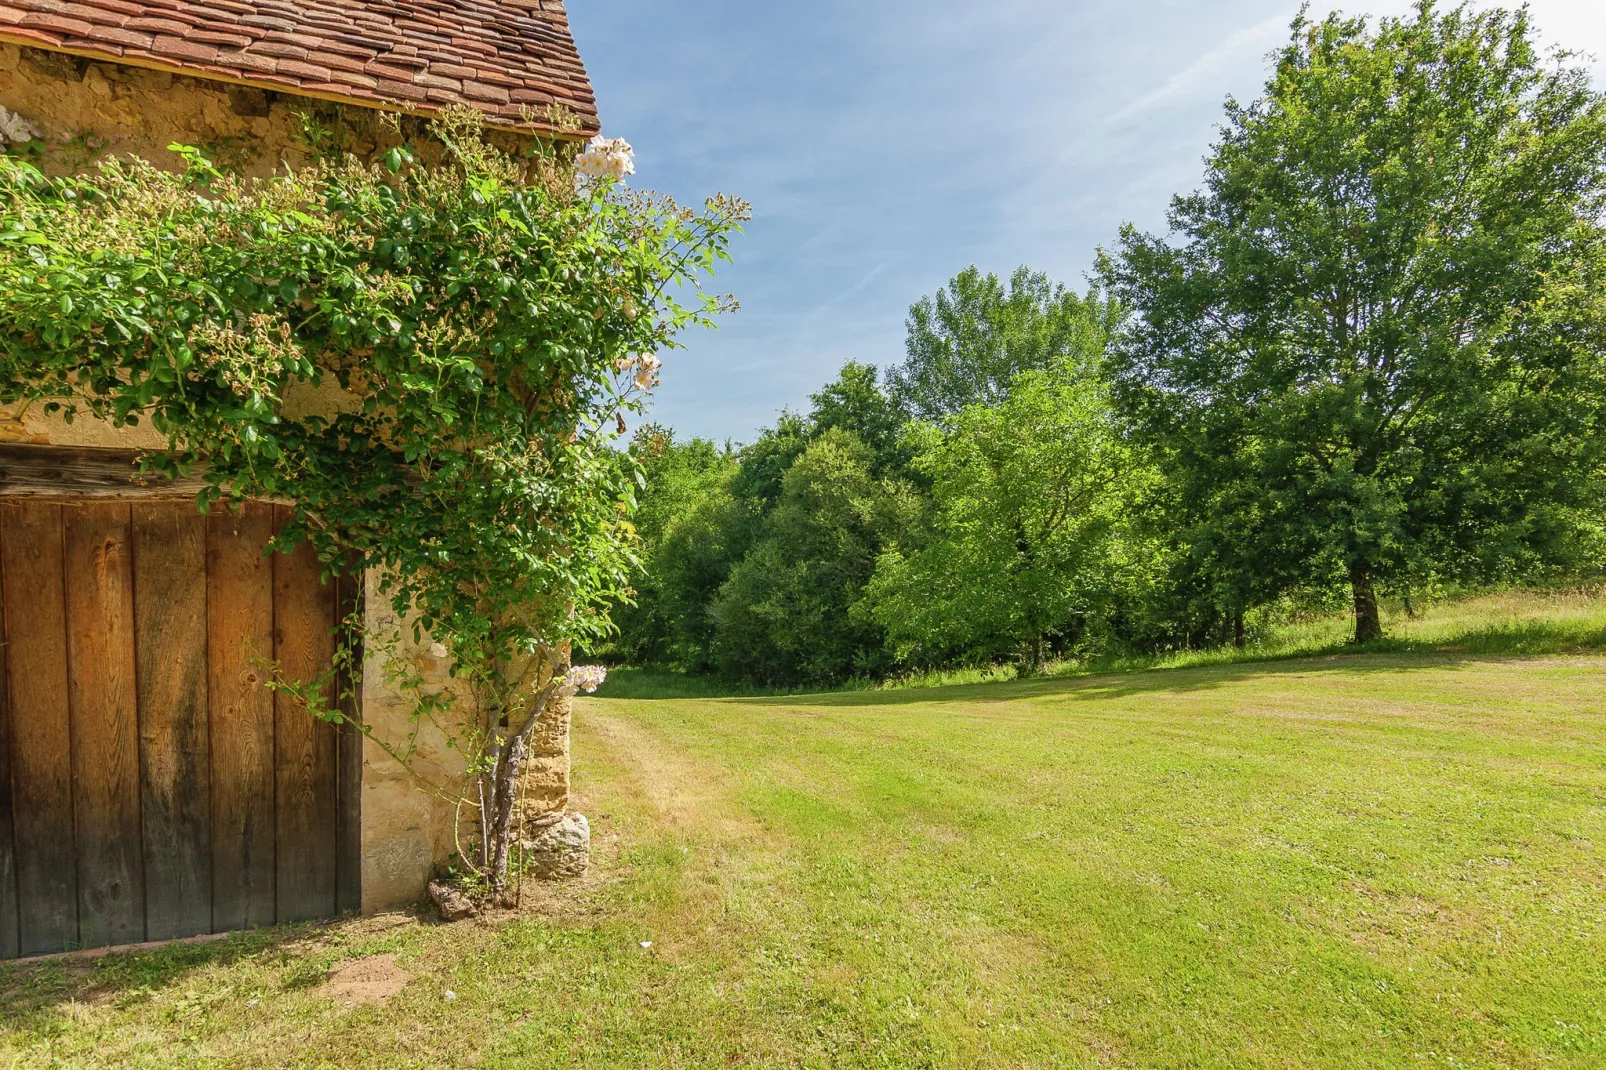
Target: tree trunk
point(1368, 624)
point(505, 785)
point(1238, 629)
point(1037, 654)
point(498, 823)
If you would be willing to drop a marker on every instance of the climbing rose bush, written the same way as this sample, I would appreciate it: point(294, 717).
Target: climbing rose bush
point(473, 328)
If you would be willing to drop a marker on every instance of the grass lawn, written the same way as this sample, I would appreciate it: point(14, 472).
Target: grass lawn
point(1384, 860)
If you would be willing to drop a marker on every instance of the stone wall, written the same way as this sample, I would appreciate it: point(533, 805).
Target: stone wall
point(406, 828)
point(86, 109)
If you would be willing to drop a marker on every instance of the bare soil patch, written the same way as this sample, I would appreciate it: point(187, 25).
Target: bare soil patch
point(361, 982)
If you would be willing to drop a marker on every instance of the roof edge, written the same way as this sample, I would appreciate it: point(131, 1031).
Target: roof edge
point(16, 35)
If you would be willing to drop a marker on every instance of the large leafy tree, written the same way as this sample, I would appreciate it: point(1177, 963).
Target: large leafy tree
point(703, 509)
point(1375, 352)
point(968, 342)
point(855, 402)
point(1030, 540)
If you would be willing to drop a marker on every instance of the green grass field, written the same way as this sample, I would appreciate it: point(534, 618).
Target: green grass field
point(1388, 859)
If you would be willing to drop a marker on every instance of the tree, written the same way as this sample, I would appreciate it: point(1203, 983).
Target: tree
point(487, 318)
point(764, 463)
point(1376, 352)
point(1029, 540)
point(856, 403)
point(786, 614)
point(693, 531)
point(967, 344)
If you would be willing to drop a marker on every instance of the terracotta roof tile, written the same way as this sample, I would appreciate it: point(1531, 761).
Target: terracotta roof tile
point(212, 37)
point(189, 51)
point(278, 48)
point(115, 36)
point(55, 23)
point(102, 16)
point(248, 61)
point(353, 78)
point(496, 55)
point(153, 24)
point(335, 61)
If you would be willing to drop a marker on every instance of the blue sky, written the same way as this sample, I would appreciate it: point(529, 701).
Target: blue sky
point(887, 144)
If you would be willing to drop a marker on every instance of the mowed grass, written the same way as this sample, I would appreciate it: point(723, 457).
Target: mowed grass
point(1382, 860)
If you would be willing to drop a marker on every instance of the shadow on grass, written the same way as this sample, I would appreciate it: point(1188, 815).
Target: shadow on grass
point(28, 988)
point(1116, 678)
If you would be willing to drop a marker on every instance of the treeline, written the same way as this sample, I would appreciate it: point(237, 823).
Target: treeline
point(1367, 361)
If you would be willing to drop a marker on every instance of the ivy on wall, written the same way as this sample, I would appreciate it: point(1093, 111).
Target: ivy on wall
point(472, 327)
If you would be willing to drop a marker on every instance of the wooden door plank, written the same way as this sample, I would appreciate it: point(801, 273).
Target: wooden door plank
point(10, 937)
point(304, 617)
point(170, 653)
point(348, 877)
point(101, 693)
point(41, 738)
point(239, 613)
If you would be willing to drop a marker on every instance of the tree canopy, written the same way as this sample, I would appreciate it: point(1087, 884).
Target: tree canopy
point(969, 341)
point(1026, 544)
point(1374, 349)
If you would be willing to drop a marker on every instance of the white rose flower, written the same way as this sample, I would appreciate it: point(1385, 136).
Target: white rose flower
point(585, 678)
point(606, 158)
point(437, 650)
point(647, 366)
point(15, 129)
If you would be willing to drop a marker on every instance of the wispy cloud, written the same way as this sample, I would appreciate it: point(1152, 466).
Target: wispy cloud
point(1205, 73)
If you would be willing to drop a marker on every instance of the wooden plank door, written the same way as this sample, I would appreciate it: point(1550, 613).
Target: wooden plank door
point(152, 785)
point(240, 635)
point(33, 578)
point(10, 920)
point(305, 750)
point(174, 731)
point(105, 727)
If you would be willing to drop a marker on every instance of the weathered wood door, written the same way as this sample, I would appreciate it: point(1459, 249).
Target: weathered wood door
point(151, 785)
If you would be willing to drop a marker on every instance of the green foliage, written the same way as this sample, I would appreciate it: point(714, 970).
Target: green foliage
point(764, 463)
point(1367, 364)
point(1376, 356)
point(1030, 543)
point(693, 530)
point(427, 358)
point(786, 615)
point(967, 344)
point(731, 543)
point(856, 403)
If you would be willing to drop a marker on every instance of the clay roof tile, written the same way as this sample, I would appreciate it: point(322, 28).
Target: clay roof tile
point(493, 54)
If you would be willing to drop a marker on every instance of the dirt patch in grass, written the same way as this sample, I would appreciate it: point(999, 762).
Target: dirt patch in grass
point(362, 982)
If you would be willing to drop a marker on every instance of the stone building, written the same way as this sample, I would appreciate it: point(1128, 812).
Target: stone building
point(151, 785)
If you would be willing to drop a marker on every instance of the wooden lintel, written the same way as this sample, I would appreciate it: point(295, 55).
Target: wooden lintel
point(72, 472)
